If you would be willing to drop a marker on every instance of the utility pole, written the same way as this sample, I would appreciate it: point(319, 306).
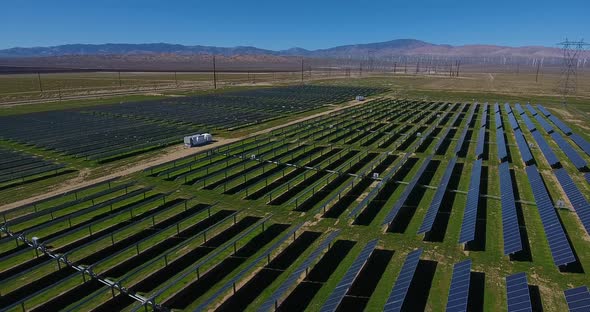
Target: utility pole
point(175, 80)
point(458, 65)
point(214, 74)
point(301, 70)
point(39, 80)
point(361, 69)
point(119, 73)
point(537, 75)
point(394, 67)
point(571, 54)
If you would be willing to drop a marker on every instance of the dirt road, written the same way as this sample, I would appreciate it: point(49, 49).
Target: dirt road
point(168, 154)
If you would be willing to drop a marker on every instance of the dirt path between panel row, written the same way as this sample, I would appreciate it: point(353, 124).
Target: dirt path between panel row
point(169, 154)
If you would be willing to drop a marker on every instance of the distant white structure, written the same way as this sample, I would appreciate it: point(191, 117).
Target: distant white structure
point(360, 98)
point(197, 139)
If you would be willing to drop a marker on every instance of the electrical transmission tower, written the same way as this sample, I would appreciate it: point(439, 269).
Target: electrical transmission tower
point(572, 50)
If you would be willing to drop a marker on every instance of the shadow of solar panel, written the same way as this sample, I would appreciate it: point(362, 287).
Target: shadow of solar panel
point(523, 147)
point(545, 148)
point(459, 291)
point(543, 110)
point(510, 228)
point(470, 213)
point(501, 144)
point(560, 248)
point(437, 200)
point(562, 126)
point(578, 299)
point(517, 291)
point(344, 285)
point(409, 188)
point(292, 279)
point(402, 284)
point(569, 151)
point(583, 144)
point(575, 196)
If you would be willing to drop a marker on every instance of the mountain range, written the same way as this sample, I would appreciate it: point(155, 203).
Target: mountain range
point(387, 49)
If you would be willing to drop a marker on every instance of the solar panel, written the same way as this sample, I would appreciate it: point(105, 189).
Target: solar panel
point(498, 120)
point(407, 191)
point(562, 126)
point(402, 284)
point(344, 285)
point(578, 299)
point(546, 126)
point(507, 108)
point(496, 108)
point(484, 119)
point(560, 248)
point(480, 142)
point(523, 147)
point(569, 151)
point(531, 109)
point(510, 228)
point(292, 279)
point(470, 213)
point(583, 144)
point(437, 200)
point(528, 122)
point(518, 295)
point(461, 140)
point(501, 144)
point(543, 110)
point(587, 176)
point(545, 148)
point(575, 196)
point(459, 291)
point(470, 116)
point(513, 122)
point(519, 109)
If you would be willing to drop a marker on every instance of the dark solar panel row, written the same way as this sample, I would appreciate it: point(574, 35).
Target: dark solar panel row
point(480, 142)
point(459, 291)
point(501, 144)
point(558, 243)
point(344, 285)
point(583, 144)
point(531, 109)
point(437, 200)
point(579, 202)
point(292, 279)
point(518, 295)
point(543, 110)
point(528, 122)
point(523, 147)
point(545, 148)
point(546, 126)
point(402, 284)
point(407, 191)
point(510, 228)
point(562, 126)
point(470, 213)
point(578, 299)
point(569, 151)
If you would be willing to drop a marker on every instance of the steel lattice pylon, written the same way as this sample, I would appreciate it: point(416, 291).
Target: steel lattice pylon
point(572, 51)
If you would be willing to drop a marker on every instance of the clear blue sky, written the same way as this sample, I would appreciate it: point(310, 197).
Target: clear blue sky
point(284, 24)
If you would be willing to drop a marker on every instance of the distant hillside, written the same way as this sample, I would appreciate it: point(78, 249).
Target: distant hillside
point(399, 47)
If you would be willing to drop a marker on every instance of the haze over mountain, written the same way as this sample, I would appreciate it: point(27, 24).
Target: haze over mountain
point(399, 47)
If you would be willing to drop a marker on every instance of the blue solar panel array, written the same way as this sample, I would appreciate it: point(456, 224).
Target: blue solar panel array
point(459, 291)
point(480, 142)
point(437, 200)
point(587, 177)
point(545, 148)
point(470, 213)
point(518, 295)
point(513, 122)
point(501, 144)
point(578, 299)
point(569, 151)
point(546, 126)
point(579, 202)
point(409, 188)
point(510, 228)
point(523, 147)
point(507, 108)
point(583, 144)
point(528, 122)
point(519, 109)
point(558, 243)
point(344, 285)
point(562, 126)
point(543, 110)
point(402, 284)
point(496, 108)
point(292, 279)
point(531, 109)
